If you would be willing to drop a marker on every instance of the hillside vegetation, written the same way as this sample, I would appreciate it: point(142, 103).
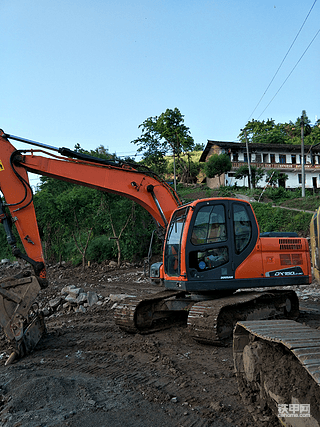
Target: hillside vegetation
point(276, 210)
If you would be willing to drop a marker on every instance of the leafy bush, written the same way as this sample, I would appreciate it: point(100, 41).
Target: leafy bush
point(101, 248)
point(217, 165)
point(278, 219)
point(226, 191)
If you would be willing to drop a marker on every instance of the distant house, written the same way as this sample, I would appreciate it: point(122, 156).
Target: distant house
point(284, 158)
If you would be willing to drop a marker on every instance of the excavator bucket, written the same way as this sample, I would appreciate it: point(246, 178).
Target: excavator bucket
point(20, 318)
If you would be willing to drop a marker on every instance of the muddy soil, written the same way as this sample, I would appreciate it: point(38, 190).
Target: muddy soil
point(87, 372)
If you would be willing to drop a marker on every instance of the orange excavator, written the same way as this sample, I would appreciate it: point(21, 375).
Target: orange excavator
point(215, 262)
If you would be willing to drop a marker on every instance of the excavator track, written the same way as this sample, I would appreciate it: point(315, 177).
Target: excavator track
point(212, 322)
point(277, 365)
point(147, 314)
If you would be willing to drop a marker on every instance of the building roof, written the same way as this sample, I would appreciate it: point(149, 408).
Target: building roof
point(256, 147)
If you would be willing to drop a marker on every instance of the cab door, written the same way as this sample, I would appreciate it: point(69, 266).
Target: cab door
point(221, 235)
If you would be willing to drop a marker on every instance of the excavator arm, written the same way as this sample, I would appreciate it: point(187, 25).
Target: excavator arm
point(21, 321)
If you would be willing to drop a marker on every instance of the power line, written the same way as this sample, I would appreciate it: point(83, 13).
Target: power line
point(290, 72)
point(282, 63)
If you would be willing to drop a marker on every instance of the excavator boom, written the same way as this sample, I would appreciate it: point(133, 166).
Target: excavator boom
point(22, 323)
point(142, 186)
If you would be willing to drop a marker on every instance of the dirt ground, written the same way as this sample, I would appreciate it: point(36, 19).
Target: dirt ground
point(87, 372)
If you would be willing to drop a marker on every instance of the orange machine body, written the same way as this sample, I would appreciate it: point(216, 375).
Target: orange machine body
point(229, 252)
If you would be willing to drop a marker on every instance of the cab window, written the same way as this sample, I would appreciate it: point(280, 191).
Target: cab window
point(242, 228)
point(209, 225)
point(208, 259)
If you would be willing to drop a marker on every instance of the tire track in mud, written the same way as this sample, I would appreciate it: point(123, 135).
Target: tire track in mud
point(143, 365)
point(108, 377)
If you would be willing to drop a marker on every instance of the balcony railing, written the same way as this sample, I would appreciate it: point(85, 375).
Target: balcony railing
point(237, 165)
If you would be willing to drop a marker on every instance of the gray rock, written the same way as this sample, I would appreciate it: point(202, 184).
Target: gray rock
point(54, 303)
point(74, 292)
point(82, 297)
point(67, 289)
point(92, 298)
point(71, 299)
point(119, 297)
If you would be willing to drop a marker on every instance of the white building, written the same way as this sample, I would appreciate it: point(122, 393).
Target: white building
point(284, 158)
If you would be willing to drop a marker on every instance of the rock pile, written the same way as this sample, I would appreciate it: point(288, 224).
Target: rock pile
point(73, 299)
point(7, 264)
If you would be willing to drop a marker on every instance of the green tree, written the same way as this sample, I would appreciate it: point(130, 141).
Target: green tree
point(100, 152)
point(274, 176)
point(187, 170)
point(265, 132)
point(217, 165)
point(117, 231)
point(269, 132)
point(256, 174)
point(51, 225)
point(163, 135)
point(78, 210)
point(198, 147)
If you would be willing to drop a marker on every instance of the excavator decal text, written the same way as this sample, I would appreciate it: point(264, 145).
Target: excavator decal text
point(294, 271)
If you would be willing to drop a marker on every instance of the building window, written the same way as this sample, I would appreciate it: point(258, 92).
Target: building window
point(300, 178)
point(258, 158)
point(282, 158)
point(301, 159)
point(293, 159)
point(235, 157)
point(265, 158)
point(272, 158)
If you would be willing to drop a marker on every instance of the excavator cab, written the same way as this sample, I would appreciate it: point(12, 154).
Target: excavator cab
point(205, 243)
point(215, 244)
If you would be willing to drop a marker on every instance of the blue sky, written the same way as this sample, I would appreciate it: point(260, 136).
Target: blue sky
point(89, 72)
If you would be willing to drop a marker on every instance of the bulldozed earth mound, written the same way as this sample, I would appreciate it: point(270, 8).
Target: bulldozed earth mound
point(87, 372)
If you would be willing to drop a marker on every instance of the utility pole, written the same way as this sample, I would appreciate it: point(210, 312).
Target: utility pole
point(174, 164)
point(174, 170)
point(303, 193)
point(248, 157)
